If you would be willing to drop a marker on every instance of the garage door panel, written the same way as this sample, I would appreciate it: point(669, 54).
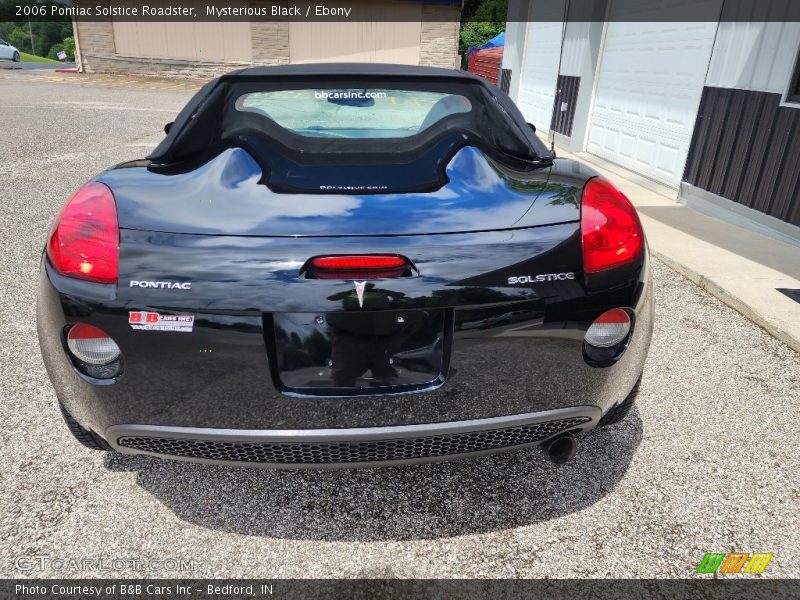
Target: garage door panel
point(668, 158)
point(540, 73)
point(539, 69)
point(656, 129)
point(646, 152)
point(653, 156)
point(606, 139)
point(627, 144)
point(649, 87)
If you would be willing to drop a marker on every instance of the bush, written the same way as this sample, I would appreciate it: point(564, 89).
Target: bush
point(54, 51)
point(68, 46)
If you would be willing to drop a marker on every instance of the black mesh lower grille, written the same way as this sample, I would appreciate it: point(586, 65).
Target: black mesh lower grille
point(353, 452)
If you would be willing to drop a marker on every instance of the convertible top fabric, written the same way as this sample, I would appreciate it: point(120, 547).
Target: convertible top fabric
point(209, 122)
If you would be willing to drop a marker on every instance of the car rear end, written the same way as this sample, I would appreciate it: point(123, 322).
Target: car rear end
point(252, 324)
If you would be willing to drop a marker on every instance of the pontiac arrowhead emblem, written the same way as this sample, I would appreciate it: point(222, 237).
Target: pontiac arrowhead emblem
point(360, 285)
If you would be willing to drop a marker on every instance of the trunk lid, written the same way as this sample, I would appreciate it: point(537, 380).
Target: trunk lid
point(342, 337)
point(489, 248)
point(228, 196)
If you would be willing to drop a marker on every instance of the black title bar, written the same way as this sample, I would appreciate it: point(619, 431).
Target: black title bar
point(440, 589)
point(391, 11)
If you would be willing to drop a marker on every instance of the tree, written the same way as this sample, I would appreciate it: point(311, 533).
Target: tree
point(474, 34)
point(481, 20)
point(46, 35)
point(492, 11)
point(20, 39)
point(6, 28)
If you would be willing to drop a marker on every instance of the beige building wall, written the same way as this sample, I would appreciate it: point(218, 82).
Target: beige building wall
point(199, 41)
point(402, 32)
point(392, 37)
point(355, 42)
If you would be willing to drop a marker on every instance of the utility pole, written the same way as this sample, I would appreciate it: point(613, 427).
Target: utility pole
point(30, 30)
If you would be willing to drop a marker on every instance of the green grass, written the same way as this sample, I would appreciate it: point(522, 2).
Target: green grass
point(25, 57)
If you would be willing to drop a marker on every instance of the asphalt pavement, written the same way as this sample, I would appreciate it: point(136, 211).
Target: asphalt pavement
point(707, 460)
point(22, 65)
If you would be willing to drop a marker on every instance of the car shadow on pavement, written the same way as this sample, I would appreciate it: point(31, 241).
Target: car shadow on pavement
point(446, 499)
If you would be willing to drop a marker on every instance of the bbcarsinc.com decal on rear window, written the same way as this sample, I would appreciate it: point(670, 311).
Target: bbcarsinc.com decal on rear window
point(354, 113)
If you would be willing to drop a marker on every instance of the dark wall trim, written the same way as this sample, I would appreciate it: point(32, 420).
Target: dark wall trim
point(566, 92)
point(746, 147)
point(794, 88)
point(505, 80)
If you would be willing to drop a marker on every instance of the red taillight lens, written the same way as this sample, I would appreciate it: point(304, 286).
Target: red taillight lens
point(84, 242)
point(610, 228)
point(360, 266)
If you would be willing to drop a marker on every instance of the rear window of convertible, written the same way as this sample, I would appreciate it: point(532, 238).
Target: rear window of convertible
point(353, 113)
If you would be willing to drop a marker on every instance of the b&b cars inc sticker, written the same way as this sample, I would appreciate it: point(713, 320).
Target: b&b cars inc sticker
point(153, 321)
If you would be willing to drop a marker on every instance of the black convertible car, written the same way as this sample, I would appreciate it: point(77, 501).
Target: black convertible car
point(345, 265)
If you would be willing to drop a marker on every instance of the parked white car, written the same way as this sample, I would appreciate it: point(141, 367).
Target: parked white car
point(8, 51)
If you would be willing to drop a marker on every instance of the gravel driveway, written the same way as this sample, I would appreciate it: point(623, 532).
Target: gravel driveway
point(707, 461)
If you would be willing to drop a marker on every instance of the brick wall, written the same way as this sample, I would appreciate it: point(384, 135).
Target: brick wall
point(270, 42)
point(94, 38)
point(156, 67)
point(439, 37)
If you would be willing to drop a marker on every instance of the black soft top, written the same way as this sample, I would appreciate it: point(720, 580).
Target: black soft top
point(351, 69)
point(209, 123)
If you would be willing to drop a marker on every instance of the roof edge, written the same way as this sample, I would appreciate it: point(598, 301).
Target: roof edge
point(355, 69)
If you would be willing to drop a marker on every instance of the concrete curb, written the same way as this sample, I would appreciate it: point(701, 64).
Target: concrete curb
point(729, 299)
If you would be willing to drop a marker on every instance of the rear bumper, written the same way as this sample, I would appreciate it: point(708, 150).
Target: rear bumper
point(213, 390)
point(351, 447)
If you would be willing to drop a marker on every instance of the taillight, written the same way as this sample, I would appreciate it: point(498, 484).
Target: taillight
point(84, 242)
point(610, 229)
point(609, 329)
point(358, 266)
point(91, 345)
point(607, 337)
point(93, 351)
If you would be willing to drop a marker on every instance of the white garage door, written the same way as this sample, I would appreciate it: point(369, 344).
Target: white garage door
point(648, 91)
point(540, 64)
